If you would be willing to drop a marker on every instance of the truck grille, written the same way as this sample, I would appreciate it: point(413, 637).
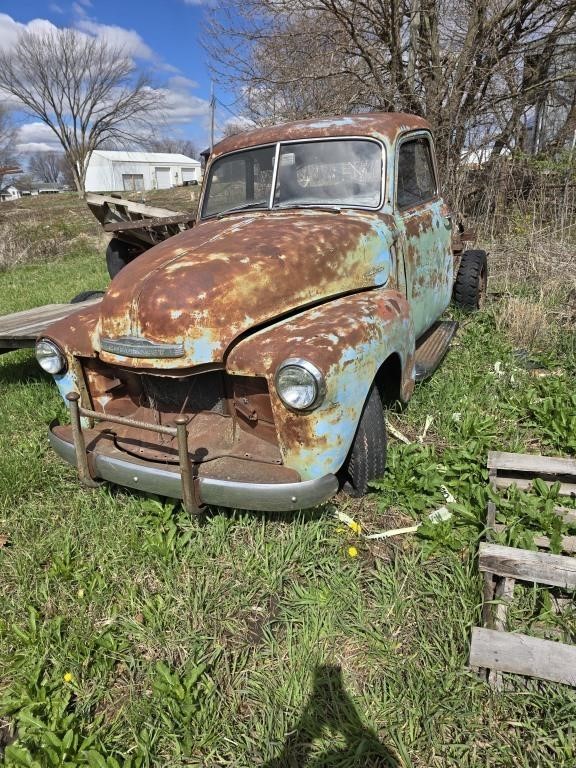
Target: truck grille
point(190, 394)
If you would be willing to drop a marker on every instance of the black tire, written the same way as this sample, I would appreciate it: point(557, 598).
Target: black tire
point(85, 295)
point(470, 285)
point(367, 458)
point(118, 254)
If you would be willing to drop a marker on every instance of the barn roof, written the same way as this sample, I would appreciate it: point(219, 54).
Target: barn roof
point(121, 156)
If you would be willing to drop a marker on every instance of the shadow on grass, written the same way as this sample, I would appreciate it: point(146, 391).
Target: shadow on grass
point(19, 366)
point(331, 709)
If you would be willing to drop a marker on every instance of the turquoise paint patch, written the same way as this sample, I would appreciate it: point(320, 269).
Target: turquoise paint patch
point(66, 382)
point(201, 350)
point(348, 383)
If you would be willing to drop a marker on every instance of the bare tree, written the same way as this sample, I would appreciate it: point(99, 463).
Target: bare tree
point(85, 89)
point(46, 166)
point(8, 158)
point(234, 127)
point(66, 172)
point(460, 63)
point(170, 144)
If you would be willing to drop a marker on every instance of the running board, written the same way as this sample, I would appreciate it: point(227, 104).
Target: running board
point(432, 346)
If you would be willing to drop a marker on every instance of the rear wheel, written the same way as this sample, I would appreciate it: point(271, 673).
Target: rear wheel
point(470, 284)
point(367, 458)
point(118, 254)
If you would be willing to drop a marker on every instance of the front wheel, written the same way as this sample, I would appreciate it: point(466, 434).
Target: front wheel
point(471, 281)
point(118, 254)
point(367, 458)
point(86, 296)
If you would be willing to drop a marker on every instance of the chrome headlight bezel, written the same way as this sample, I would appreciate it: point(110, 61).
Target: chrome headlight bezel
point(316, 378)
point(51, 352)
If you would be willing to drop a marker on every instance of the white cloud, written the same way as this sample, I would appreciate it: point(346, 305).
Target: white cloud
point(179, 104)
point(11, 29)
point(119, 37)
point(55, 8)
point(35, 146)
point(181, 82)
point(36, 137)
point(129, 39)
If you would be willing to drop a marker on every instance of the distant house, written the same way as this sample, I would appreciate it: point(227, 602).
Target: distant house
point(9, 193)
point(35, 188)
point(116, 171)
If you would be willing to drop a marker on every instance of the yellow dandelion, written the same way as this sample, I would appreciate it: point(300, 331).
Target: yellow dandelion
point(352, 552)
point(356, 527)
point(80, 593)
point(68, 677)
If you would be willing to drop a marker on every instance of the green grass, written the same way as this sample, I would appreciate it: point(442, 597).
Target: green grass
point(132, 635)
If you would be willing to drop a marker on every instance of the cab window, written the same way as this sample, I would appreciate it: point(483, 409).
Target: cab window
point(416, 177)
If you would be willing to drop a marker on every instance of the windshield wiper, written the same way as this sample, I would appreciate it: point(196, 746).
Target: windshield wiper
point(243, 207)
point(317, 206)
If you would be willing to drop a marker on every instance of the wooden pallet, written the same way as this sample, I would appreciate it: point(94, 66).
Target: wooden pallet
point(493, 650)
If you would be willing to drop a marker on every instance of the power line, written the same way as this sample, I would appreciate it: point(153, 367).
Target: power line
point(227, 108)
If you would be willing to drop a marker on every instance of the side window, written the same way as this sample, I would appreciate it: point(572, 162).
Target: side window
point(416, 179)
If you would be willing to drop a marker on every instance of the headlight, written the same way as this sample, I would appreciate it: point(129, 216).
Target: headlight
point(50, 357)
point(300, 384)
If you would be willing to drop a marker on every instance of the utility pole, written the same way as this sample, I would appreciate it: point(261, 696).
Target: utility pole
point(212, 110)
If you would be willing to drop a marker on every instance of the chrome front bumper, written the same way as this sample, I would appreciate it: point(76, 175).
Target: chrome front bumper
point(116, 468)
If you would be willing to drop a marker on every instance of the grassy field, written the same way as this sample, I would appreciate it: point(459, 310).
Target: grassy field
point(132, 635)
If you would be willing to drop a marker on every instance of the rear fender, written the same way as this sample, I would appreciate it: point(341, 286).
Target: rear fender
point(348, 340)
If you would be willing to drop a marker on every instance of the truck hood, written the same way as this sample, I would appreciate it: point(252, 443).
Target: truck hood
point(192, 295)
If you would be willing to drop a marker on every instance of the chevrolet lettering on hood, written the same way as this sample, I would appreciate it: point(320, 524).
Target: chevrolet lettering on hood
point(248, 361)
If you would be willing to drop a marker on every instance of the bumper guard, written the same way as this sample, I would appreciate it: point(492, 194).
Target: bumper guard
point(195, 492)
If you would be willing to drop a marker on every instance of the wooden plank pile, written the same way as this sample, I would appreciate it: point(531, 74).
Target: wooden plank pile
point(494, 650)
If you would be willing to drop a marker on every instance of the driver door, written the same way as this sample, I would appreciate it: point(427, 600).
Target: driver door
point(424, 225)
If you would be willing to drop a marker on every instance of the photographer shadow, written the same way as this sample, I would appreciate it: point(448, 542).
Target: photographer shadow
point(330, 707)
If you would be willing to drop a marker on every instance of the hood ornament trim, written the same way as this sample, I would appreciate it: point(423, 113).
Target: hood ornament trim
point(136, 346)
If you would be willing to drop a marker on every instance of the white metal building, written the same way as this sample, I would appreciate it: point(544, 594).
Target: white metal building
point(116, 171)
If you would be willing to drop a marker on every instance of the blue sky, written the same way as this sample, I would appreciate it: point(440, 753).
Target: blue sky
point(163, 38)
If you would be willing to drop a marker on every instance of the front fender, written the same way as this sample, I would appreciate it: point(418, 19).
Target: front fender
point(348, 339)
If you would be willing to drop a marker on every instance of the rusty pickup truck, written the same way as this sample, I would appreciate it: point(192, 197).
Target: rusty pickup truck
point(247, 362)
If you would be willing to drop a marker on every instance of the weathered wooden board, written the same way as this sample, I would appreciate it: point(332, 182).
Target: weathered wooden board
point(568, 515)
point(96, 203)
point(21, 329)
point(539, 567)
point(568, 542)
point(566, 489)
point(148, 223)
point(535, 464)
point(523, 655)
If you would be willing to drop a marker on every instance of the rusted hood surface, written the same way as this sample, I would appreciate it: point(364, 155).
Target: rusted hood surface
point(208, 285)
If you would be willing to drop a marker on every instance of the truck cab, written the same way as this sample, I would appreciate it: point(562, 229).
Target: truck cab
point(247, 362)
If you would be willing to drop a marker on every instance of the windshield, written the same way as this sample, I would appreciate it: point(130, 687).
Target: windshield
point(341, 173)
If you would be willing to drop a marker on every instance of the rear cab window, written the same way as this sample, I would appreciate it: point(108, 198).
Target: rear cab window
point(416, 178)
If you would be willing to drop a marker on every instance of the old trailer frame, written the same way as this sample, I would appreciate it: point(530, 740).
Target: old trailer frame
point(139, 225)
point(21, 329)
